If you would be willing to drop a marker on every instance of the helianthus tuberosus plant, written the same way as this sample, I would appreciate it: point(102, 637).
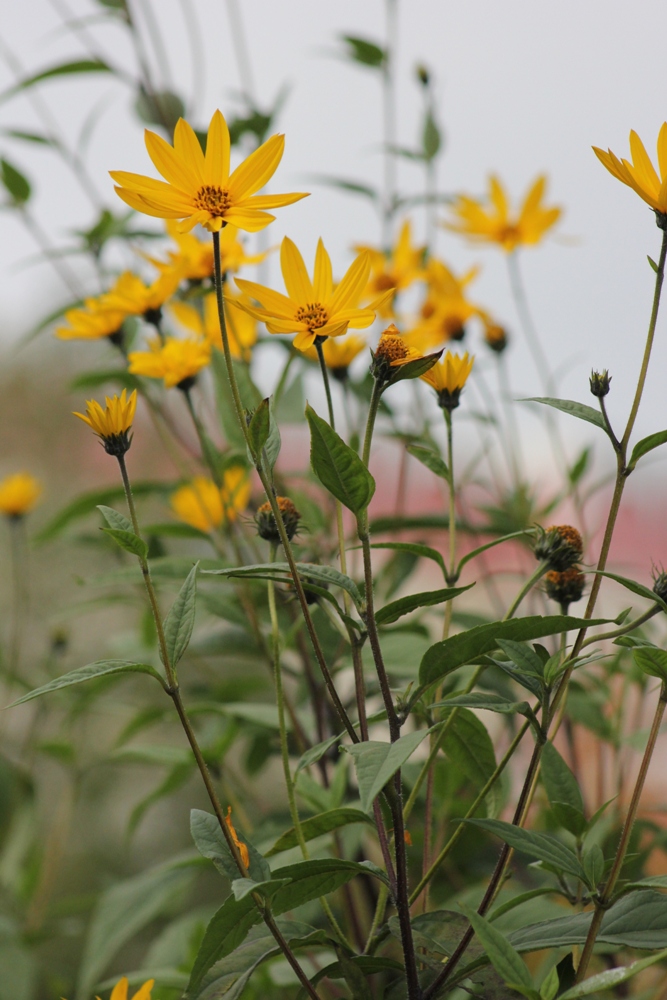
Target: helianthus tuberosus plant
point(374, 711)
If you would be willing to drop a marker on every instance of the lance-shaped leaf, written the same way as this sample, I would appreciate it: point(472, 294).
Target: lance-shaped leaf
point(317, 826)
point(129, 541)
point(324, 575)
point(562, 791)
point(541, 846)
point(312, 879)
point(180, 621)
point(101, 668)
point(612, 977)
point(403, 606)
point(490, 702)
point(258, 429)
point(506, 961)
point(636, 588)
point(377, 762)
point(228, 928)
point(86, 504)
point(337, 466)
point(651, 661)
point(417, 549)
point(580, 410)
point(413, 369)
point(211, 843)
point(64, 69)
point(645, 445)
point(430, 459)
point(114, 518)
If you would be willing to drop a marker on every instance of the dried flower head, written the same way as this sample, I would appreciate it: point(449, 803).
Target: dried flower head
point(266, 522)
point(560, 546)
point(565, 586)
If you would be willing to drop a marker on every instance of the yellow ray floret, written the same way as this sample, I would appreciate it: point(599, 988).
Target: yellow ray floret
point(113, 423)
point(312, 308)
point(446, 308)
point(19, 493)
point(91, 323)
point(198, 187)
point(494, 222)
point(448, 377)
point(640, 174)
point(132, 296)
point(241, 326)
point(340, 353)
point(205, 506)
point(119, 992)
point(177, 362)
point(194, 257)
point(397, 270)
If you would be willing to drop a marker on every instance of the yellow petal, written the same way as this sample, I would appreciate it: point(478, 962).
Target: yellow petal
point(256, 169)
point(169, 163)
point(187, 316)
point(642, 163)
point(119, 992)
point(146, 185)
point(498, 196)
point(248, 219)
point(145, 992)
point(188, 147)
point(272, 301)
point(351, 288)
point(323, 278)
point(217, 151)
point(662, 150)
point(533, 198)
point(298, 284)
point(304, 340)
point(336, 329)
point(272, 200)
point(148, 206)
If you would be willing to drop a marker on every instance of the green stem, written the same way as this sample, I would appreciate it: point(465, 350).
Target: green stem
point(19, 555)
point(452, 522)
point(282, 381)
point(206, 448)
point(624, 629)
point(603, 902)
point(527, 587)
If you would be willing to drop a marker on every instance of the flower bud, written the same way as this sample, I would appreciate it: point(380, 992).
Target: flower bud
point(266, 522)
point(660, 585)
point(560, 546)
point(495, 337)
point(566, 587)
point(600, 383)
point(423, 75)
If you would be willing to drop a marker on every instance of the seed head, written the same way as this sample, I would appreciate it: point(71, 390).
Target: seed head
point(266, 522)
point(560, 546)
point(566, 587)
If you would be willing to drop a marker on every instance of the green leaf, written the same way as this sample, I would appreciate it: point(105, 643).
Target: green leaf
point(129, 541)
point(612, 977)
point(88, 502)
point(396, 609)
point(337, 466)
point(273, 442)
point(542, 846)
point(17, 186)
point(352, 187)
point(101, 668)
point(645, 445)
point(377, 762)
point(416, 548)
point(258, 429)
point(312, 879)
point(115, 519)
point(210, 842)
point(64, 69)
point(490, 702)
point(506, 961)
point(317, 752)
point(354, 977)
point(562, 791)
point(651, 661)
point(122, 912)
point(636, 588)
point(429, 458)
point(179, 623)
point(365, 52)
point(489, 545)
point(413, 369)
point(523, 657)
point(577, 470)
point(317, 826)
point(227, 930)
point(382, 525)
point(325, 575)
point(593, 862)
point(159, 107)
point(469, 747)
point(550, 985)
point(653, 264)
point(431, 139)
point(580, 410)
point(446, 656)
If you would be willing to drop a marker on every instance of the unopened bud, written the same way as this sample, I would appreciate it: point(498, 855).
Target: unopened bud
point(660, 585)
point(560, 546)
point(423, 75)
point(566, 587)
point(495, 337)
point(600, 383)
point(266, 522)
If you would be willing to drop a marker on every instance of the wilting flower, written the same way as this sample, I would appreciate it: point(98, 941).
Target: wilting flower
point(395, 271)
point(119, 992)
point(446, 308)
point(199, 188)
point(448, 377)
point(133, 297)
point(267, 527)
point(177, 362)
point(112, 424)
point(242, 848)
point(314, 308)
point(241, 326)
point(560, 546)
point(338, 354)
point(641, 175)
point(19, 493)
point(92, 323)
point(205, 506)
point(566, 587)
point(495, 223)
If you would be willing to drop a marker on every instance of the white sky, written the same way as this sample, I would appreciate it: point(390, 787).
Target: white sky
point(523, 87)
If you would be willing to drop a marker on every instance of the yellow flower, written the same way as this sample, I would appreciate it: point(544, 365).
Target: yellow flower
point(119, 992)
point(314, 308)
point(92, 323)
point(338, 354)
point(133, 297)
point(194, 257)
point(241, 327)
point(19, 493)
point(396, 270)
point(199, 188)
point(176, 361)
point(205, 506)
point(112, 424)
point(496, 224)
point(448, 378)
point(445, 310)
point(641, 175)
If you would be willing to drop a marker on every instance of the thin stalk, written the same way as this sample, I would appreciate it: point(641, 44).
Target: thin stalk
point(282, 381)
point(514, 444)
point(527, 587)
point(17, 539)
point(602, 904)
point(271, 496)
point(339, 507)
point(204, 443)
point(452, 521)
point(624, 629)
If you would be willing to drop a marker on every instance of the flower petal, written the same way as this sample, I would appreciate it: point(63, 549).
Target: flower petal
point(272, 200)
point(217, 152)
point(304, 340)
point(352, 286)
point(169, 163)
point(256, 169)
point(498, 197)
point(298, 284)
point(644, 169)
point(662, 150)
point(248, 219)
point(273, 302)
point(323, 277)
point(188, 148)
point(148, 206)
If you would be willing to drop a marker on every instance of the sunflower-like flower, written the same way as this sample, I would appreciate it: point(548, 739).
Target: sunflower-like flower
point(392, 351)
point(205, 506)
point(495, 223)
point(448, 377)
point(119, 992)
point(112, 424)
point(395, 271)
point(446, 308)
point(198, 188)
point(338, 354)
point(241, 326)
point(92, 323)
point(314, 308)
point(134, 297)
point(19, 493)
point(641, 175)
point(177, 362)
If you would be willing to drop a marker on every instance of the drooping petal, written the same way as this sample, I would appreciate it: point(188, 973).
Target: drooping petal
point(256, 169)
point(197, 218)
point(188, 148)
point(304, 340)
point(174, 169)
point(216, 170)
point(352, 286)
point(323, 277)
point(298, 284)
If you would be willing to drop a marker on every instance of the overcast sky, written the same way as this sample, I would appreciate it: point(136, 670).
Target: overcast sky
point(522, 87)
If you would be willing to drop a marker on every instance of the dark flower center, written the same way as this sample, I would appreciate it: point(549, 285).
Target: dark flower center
point(313, 314)
point(213, 199)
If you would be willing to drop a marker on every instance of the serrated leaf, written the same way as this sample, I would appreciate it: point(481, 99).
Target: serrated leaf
point(541, 846)
point(317, 826)
point(210, 842)
point(429, 458)
point(101, 668)
point(337, 466)
point(180, 621)
point(507, 962)
point(447, 655)
point(15, 183)
point(129, 541)
point(571, 406)
point(403, 606)
point(377, 762)
point(645, 445)
point(562, 789)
